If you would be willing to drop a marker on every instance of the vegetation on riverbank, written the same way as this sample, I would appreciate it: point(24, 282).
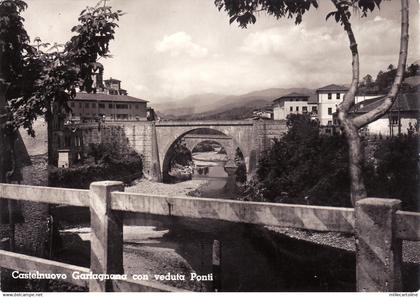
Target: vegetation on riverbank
point(104, 162)
point(307, 167)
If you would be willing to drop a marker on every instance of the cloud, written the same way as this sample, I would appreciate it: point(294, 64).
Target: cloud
point(180, 43)
point(292, 43)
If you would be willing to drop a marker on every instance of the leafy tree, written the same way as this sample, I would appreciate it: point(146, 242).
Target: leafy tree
point(244, 13)
point(367, 80)
point(412, 69)
point(397, 172)
point(58, 73)
point(306, 166)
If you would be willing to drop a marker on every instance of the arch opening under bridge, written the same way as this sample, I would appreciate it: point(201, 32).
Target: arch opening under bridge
point(189, 140)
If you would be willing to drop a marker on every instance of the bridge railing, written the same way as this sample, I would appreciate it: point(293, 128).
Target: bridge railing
point(378, 224)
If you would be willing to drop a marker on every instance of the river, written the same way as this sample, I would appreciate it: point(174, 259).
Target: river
point(253, 258)
point(212, 170)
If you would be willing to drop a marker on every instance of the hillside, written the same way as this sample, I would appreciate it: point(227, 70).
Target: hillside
point(214, 106)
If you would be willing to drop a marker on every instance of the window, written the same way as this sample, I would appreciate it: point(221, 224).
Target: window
point(101, 105)
point(305, 109)
point(110, 105)
point(80, 105)
point(93, 105)
point(72, 104)
point(338, 95)
point(87, 105)
point(329, 96)
point(329, 123)
point(122, 116)
point(137, 106)
point(291, 108)
point(122, 106)
point(394, 120)
point(329, 110)
point(297, 108)
point(314, 109)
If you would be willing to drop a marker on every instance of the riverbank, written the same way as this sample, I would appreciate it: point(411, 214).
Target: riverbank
point(154, 188)
point(341, 241)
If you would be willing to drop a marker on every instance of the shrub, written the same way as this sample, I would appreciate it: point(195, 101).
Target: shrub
point(306, 167)
point(111, 162)
point(397, 171)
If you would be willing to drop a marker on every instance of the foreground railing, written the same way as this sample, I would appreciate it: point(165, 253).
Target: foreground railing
point(378, 224)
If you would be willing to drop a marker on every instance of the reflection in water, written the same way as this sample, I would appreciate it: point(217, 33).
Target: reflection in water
point(215, 175)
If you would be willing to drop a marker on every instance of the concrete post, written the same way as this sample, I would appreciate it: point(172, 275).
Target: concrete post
point(230, 169)
point(378, 251)
point(106, 241)
point(216, 261)
point(155, 173)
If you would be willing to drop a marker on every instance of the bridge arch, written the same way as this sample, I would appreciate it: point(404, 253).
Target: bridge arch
point(229, 144)
point(251, 137)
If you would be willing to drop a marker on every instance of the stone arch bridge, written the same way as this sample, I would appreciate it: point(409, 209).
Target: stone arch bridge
point(154, 140)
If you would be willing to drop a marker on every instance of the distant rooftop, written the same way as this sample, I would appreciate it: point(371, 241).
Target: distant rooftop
point(292, 95)
point(105, 97)
point(404, 102)
point(333, 87)
point(312, 98)
point(112, 79)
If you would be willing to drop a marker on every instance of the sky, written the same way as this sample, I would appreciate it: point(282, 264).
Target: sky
point(169, 49)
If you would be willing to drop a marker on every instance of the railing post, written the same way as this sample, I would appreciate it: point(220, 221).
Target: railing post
point(378, 251)
point(106, 243)
point(4, 245)
point(216, 261)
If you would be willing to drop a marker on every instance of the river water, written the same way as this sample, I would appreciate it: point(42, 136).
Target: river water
point(213, 172)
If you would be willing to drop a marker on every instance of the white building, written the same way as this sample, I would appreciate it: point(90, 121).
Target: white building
point(264, 113)
point(322, 106)
point(403, 118)
point(293, 103)
point(328, 99)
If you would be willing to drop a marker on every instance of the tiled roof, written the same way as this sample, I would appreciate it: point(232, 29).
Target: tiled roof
point(313, 99)
point(404, 102)
point(292, 95)
point(333, 87)
point(106, 97)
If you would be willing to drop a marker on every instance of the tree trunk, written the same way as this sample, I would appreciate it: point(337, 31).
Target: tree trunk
point(357, 185)
point(351, 126)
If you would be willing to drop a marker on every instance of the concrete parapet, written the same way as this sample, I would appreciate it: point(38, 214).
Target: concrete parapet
point(378, 250)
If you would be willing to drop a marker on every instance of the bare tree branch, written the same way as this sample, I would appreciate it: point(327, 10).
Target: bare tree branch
point(357, 187)
point(389, 100)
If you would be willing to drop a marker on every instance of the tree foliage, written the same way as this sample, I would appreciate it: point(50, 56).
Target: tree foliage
point(384, 80)
point(42, 82)
point(308, 167)
point(244, 11)
point(305, 163)
point(397, 172)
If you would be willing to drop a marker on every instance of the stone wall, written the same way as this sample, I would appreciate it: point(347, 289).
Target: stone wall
point(265, 131)
point(152, 141)
point(135, 135)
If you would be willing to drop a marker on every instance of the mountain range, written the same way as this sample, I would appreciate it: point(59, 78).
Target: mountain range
point(222, 107)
